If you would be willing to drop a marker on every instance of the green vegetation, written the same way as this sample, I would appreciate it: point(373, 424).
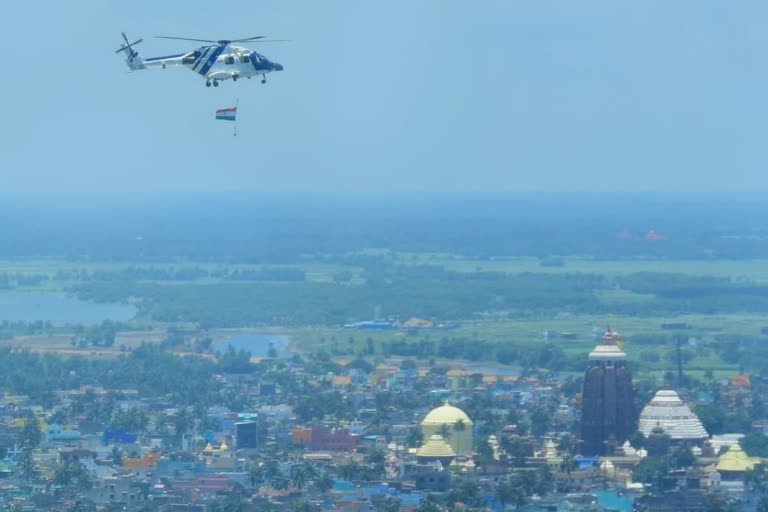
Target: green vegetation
point(501, 307)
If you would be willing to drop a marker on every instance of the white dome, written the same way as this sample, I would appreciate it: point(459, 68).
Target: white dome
point(607, 353)
point(674, 416)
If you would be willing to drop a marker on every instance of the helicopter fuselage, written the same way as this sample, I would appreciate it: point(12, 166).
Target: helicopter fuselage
point(215, 63)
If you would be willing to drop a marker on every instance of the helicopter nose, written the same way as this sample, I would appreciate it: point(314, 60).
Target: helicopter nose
point(278, 67)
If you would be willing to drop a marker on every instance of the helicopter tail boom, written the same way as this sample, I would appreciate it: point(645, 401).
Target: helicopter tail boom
point(132, 57)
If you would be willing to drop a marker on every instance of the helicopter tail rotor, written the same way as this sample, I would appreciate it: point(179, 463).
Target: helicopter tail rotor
point(132, 57)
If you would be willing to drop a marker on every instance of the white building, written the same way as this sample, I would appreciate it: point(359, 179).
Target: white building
point(674, 416)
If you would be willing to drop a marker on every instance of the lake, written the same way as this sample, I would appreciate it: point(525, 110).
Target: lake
point(256, 344)
point(59, 309)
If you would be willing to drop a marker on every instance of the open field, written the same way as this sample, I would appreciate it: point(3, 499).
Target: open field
point(756, 270)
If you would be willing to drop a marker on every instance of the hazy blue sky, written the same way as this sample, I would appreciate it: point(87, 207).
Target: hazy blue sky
point(402, 95)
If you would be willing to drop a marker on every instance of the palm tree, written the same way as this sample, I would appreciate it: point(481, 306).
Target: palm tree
point(324, 482)
point(415, 437)
point(271, 470)
point(281, 483)
point(299, 476)
point(256, 475)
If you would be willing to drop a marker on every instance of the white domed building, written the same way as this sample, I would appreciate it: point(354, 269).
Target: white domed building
point(667, 410)
point(453, 424)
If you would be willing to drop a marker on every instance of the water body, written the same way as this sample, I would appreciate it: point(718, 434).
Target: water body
point(614, 501)
point(256, 344)
point(59, 309)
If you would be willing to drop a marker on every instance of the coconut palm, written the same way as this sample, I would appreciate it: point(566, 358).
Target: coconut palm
point(298, 476)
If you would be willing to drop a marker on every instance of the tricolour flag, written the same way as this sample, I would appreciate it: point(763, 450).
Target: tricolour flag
point(227, 114)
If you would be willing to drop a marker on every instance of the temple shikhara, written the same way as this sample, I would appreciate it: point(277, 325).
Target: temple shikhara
point(608, 411)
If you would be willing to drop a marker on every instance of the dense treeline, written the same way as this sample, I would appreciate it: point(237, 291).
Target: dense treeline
point(426, 291)
point(240, 304)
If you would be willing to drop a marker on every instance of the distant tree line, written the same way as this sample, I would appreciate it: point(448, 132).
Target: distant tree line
point(426, 291)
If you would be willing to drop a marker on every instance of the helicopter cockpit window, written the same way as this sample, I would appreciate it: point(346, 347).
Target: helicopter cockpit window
point(229, 60)
point(244, 59)
point(190, 58)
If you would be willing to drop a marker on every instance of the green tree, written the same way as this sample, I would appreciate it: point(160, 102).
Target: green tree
point(30, 435)
point(540, 421)
point(132, 419)
point(484, 450)
point(428, 504)
point(299, 476)
point(415, 437)
point(755, 444)
point(324, 482)
point(117, 456)
point(280, 483)
point(637, 440)
point(544, 481)
point(25, 465)
point(515, 449)
point(511, 492)
point(467, 491)
point(386, 504)
point(682, 457)
point(72, 474)
point(649, 469)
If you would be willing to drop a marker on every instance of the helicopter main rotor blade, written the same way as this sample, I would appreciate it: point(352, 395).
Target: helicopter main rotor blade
point(246, 39)
point(187, 39)
point(220, 41)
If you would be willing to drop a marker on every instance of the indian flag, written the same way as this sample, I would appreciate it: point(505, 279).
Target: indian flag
point(226, 114)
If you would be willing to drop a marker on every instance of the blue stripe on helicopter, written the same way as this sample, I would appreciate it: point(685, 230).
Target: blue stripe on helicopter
point(200, 57)
point(153, 59)
point(212, 59)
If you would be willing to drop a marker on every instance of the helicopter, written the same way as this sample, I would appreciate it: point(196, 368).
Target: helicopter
point(216, 61)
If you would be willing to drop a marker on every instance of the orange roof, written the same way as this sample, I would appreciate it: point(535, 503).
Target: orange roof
point(148, 460)
point(342, 380)
point(741, 380)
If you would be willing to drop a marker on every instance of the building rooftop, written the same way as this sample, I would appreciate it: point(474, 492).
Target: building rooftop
point(735, 459)
point(667, 410)
point(435, 447)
